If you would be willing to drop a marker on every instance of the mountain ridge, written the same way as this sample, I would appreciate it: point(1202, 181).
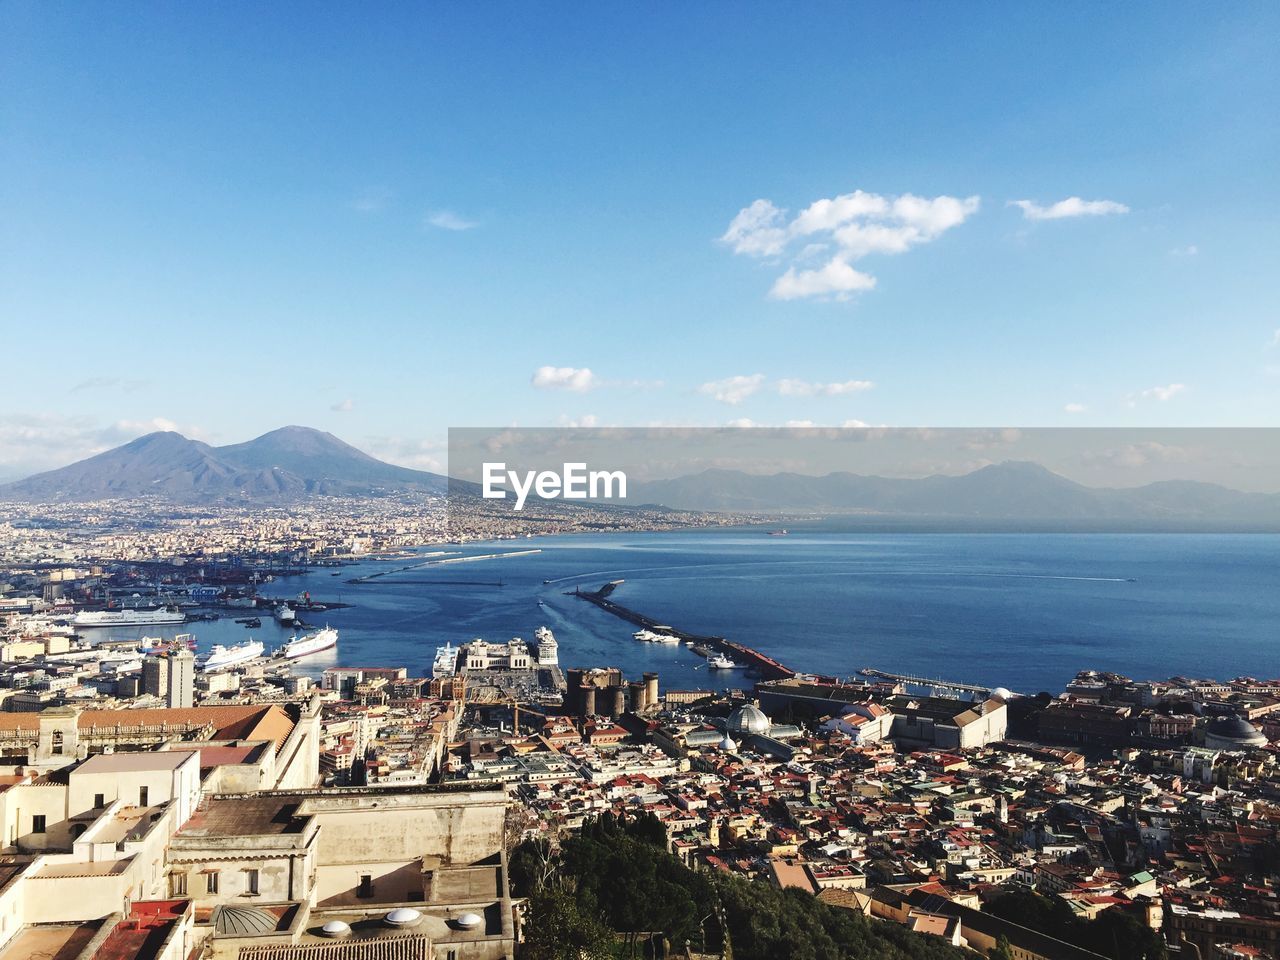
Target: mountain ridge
point(286, 464)
point(1012, 490)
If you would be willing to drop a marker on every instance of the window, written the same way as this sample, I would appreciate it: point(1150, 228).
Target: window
point(38, 823)
point(99, 801)
point(365, 889)
point(177, 884)
point(57, 742)
point(211, 882)
point(77, 830)
point(251, 882)
point(142, 796)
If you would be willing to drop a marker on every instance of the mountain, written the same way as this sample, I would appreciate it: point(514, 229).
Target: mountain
point(283, 465)
point(1010, 491)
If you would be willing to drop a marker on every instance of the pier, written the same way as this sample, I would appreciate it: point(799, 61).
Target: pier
point(954, 686)
point(765, 666)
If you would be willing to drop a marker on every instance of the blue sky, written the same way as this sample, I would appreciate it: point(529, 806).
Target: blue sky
point(386, 221)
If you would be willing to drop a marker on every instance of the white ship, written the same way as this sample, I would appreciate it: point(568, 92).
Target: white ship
point(548, 648)
point(284, 613)
point(721, 662)
point(127, 618)
point(446, 661)
point(649, 636)
point(222, 658)
point(311, 643)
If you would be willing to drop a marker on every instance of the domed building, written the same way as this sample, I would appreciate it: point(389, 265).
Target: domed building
point(1233, 733)
point(237, 921)
point(748, 720)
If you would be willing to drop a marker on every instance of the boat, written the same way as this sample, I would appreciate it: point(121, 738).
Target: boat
point(649, 636)
point(446, 661)
point(223, 658)
point(284, 613)
point(721, 662)
point(127, 618)
point(777, 533)
point(309, 644)
point(250, 621)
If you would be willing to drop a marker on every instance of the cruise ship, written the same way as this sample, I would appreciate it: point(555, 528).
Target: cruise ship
point(309, 644)
point(446, 661)
point(222, 658)
point(127, 618)
point(284, 614)
point(721, 662)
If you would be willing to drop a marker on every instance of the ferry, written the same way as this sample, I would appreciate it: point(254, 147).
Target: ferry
point(127, 618)
point(312, 643)
point(446, 661)
point(284, 613)
point(223, 658)
point(721, 662)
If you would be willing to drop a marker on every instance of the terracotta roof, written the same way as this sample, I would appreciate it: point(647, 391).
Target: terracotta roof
point(242, 722)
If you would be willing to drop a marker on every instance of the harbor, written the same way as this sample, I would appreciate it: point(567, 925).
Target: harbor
point(753, 660)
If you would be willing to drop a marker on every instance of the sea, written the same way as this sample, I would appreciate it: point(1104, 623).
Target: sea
point(1022, 611)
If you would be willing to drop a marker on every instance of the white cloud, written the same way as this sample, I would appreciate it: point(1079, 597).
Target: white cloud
point(742, 422)
point(1070, 207)
point(448, 220)
point(1167, 392)
point(857, 224)
point(1188, 251)
point(854, 425)
point(343, 406)
point(804, 388)
point(733, 390)
point(108, 383)
point(30, 443)
point(798, 424)
point(371, 200)
point(1275, 339)
point(1075, 408)
point(757, 230)
point(587, 420)
point(1133, 455)
point(836, 279)
point(575, 379)
point(416, 453)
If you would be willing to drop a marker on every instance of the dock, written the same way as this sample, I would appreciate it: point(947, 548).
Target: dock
point(764, 665)
point(935, 683)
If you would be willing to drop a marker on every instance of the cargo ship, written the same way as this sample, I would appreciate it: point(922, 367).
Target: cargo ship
point(127, 618)
point(223, 658)
point(311, 643)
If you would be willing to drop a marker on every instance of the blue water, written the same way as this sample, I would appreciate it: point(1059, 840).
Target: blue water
point(1018, 610)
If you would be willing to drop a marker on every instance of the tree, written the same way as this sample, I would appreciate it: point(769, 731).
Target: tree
point(558, 930)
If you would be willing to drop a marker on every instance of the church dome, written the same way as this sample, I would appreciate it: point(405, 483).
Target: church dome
point(242, 921)
point(1233, 733)
point(748, 720)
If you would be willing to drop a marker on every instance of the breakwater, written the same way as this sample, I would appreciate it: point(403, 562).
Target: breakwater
point(762, 664)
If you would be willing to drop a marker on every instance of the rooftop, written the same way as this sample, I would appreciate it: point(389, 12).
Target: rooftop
point(53, 940)
point(132, 762)
point(233, 816)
